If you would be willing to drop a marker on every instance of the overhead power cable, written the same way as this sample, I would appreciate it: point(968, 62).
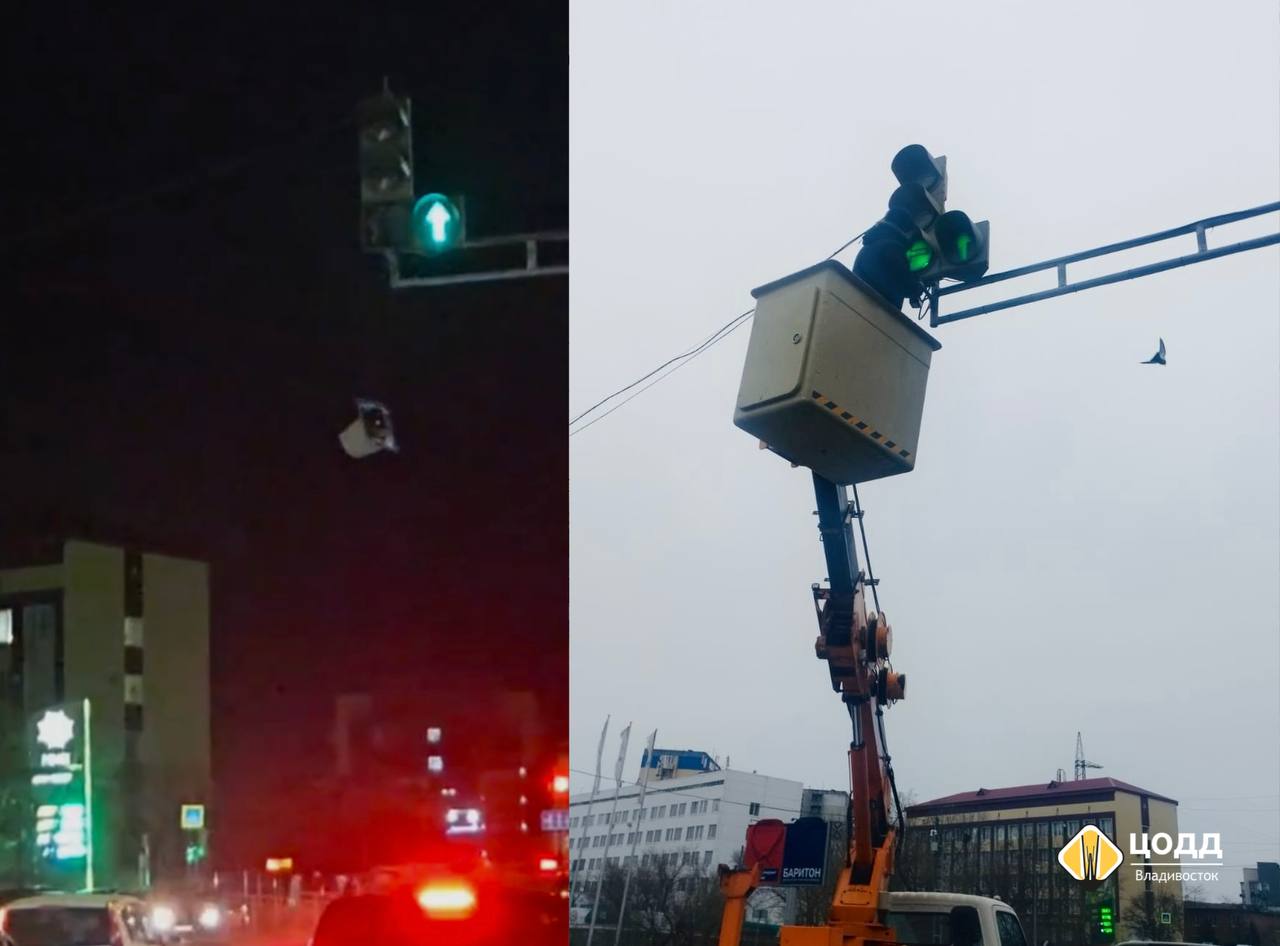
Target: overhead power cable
point(676, 362)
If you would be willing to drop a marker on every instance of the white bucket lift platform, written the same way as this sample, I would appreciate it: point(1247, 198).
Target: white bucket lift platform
point(834, 378)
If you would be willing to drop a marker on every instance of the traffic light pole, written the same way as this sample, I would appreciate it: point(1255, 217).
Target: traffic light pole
point(533, 265)
point(1065, 286)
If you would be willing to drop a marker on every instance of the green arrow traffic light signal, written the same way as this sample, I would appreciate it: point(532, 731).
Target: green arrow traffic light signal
point(917, 243)
point(963, 248)
point(437, 224)
point(919, 256)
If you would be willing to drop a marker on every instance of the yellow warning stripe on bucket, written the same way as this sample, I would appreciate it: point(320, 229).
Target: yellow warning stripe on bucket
point(861, 425)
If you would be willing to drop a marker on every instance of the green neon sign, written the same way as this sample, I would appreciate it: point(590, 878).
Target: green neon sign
point(60, 744)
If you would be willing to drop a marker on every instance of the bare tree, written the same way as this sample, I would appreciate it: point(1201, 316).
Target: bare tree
point(668, 904)
point(1142, 918)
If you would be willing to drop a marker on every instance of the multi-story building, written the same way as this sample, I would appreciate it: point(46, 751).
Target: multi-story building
point(1260, 887)
point(1005, 841)
point(695, 816)
point(829, 804)
point(127, 633)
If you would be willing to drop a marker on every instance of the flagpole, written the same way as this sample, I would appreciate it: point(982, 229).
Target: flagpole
point(574, 886)
point(604, 855)
point(631, 860)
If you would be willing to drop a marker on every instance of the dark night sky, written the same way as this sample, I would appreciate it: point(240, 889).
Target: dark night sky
point(175, 365)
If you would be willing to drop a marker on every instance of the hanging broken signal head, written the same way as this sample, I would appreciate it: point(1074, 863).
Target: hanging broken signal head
point(370, 432)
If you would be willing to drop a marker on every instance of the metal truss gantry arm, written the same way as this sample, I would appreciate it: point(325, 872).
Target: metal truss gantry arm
point(533, 261)
point(1202, 253)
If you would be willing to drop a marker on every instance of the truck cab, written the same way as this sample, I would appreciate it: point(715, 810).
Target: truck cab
point(927, 919)
point(951, 919)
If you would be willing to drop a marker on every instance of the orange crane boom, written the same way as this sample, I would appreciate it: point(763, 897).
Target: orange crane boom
point(856, 647)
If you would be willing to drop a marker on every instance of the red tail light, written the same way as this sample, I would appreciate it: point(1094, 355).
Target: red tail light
point(448, 900)
point(548, 865)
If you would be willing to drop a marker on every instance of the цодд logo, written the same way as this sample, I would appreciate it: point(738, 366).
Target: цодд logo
point(1090, 856)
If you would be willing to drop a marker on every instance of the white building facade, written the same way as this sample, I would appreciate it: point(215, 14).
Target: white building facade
point(690, 822)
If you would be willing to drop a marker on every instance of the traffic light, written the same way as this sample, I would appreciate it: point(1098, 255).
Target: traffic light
point(918, 243)
point(438, 224)
point(963, 248)
point(386, 171)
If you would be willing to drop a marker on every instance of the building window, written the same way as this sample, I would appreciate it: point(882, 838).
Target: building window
point(711, 831)
point(715, 804)
point(132, 688)
point(754, 808)
point(133, 632)
point(706, 858)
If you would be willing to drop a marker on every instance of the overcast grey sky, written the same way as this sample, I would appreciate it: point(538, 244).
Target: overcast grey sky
point(1085, 544)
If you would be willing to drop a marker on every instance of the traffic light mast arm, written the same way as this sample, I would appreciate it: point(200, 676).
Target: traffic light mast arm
point(533, 264)
point(1060, 264)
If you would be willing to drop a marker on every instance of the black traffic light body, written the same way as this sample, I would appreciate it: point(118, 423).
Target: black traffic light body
point(918, 242)
point(385, 125)
point(961, 248)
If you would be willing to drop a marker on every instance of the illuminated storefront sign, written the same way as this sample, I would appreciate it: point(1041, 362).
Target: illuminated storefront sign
point(61, 788)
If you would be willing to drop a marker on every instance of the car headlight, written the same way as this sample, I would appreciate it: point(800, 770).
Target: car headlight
point(210, 917)
point(163, 919)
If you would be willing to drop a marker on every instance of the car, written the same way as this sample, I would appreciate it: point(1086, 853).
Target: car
point(9, 894)
point(180, 915)
point(102, 919)
point(463, 904)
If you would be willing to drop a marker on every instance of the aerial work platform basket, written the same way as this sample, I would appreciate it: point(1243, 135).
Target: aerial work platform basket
point(834, 378)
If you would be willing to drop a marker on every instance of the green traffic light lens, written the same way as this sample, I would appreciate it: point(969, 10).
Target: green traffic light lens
point(919, 256)
point(436, 223)
point(964, 243)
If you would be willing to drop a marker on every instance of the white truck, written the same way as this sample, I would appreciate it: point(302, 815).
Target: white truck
point(951, 919)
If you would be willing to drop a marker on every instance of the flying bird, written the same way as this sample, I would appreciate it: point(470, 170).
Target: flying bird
point(1158, 357)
